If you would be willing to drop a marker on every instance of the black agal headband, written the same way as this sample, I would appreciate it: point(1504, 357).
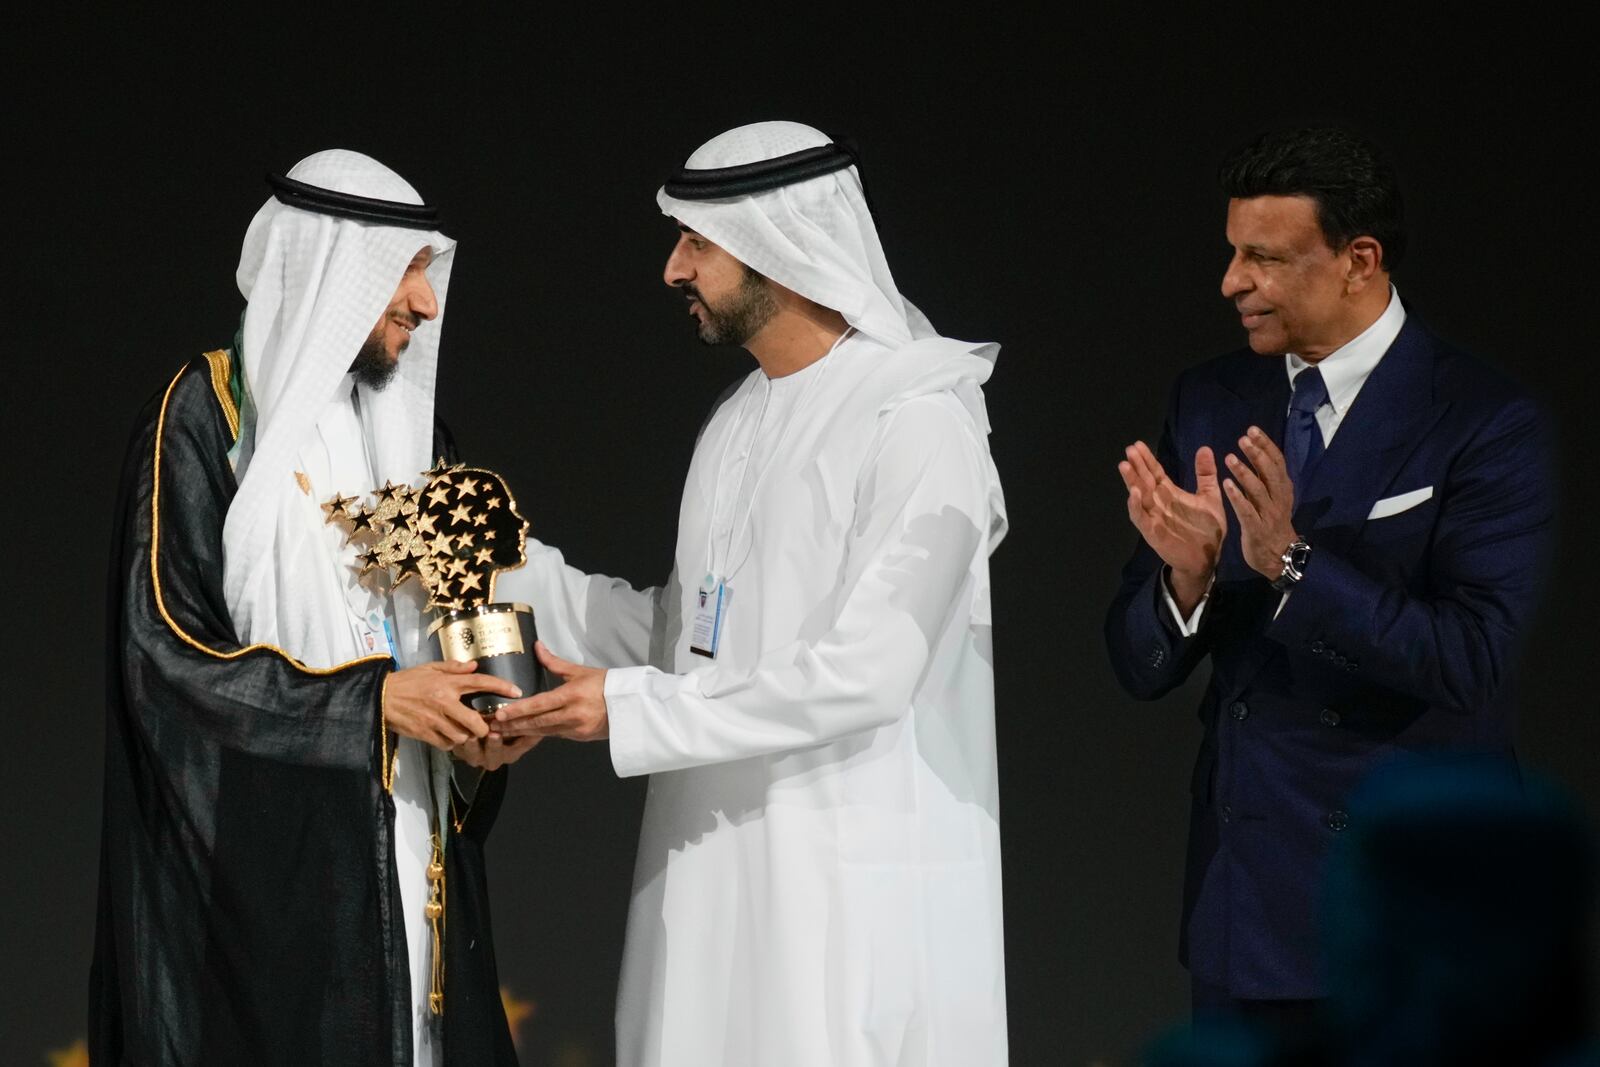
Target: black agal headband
point(746, 179)
point(350, 206)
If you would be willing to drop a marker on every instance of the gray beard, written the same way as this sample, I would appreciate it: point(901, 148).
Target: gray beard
point(749, 309)
point(372, 366)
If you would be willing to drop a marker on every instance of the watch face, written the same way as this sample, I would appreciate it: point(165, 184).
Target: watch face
point(1300, 554)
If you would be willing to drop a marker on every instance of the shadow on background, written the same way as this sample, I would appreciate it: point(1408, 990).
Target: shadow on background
point(1459, 929)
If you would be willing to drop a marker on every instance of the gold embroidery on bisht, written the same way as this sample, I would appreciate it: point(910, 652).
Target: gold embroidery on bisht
point(221, 375)
point(155, 570)
point(303, 482)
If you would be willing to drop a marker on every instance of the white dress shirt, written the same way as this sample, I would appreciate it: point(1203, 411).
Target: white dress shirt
point(1344, 371)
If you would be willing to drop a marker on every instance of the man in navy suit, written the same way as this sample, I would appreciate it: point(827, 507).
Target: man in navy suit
point(1359, 570)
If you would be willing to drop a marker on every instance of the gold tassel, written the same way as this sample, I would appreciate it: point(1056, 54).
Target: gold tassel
point(435, 913)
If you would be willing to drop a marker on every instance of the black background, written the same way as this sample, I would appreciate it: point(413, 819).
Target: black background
point(1048, 186)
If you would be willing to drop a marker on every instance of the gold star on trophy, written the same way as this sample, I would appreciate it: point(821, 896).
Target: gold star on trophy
point(408, 565)
point(339, 507)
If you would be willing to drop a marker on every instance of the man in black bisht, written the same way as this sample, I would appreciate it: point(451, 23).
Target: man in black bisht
point(280, 799)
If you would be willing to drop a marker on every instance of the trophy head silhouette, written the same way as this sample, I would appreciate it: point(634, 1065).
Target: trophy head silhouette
point(454, 534)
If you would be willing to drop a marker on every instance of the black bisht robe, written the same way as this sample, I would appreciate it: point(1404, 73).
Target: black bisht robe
point(249, 908)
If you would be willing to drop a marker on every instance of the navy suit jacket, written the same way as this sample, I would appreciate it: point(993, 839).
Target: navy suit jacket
point(1402, 635)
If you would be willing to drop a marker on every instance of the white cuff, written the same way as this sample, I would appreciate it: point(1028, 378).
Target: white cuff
point(1190, 626)
point(627, 698)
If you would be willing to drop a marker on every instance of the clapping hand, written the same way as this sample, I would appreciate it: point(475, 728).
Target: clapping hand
point(1185, 529)
point(1263, 500)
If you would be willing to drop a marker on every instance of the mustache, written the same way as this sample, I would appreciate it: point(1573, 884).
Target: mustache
point(691, 293)
point(408, 319)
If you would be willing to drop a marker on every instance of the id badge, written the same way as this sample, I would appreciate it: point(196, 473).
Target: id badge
point(376, 636)
point(705, 632)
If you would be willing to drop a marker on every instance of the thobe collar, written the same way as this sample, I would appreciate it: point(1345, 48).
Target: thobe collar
point(1346, 368)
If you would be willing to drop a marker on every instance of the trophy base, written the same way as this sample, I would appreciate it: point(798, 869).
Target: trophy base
point(500, 637)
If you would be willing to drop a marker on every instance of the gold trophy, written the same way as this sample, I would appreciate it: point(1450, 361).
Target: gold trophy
point(453, 535)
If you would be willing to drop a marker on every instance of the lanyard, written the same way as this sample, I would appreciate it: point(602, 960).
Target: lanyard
point(738, 525)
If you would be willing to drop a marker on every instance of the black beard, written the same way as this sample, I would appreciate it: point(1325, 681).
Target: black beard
point(372, 366)
point(749, 309)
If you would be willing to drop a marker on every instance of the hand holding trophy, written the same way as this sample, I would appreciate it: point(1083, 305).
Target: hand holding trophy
point(453, 535)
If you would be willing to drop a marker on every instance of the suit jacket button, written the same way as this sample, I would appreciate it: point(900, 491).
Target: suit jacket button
point(1337, 820)
point(1317, 647)
point(1240, 710)
point(1330, 717)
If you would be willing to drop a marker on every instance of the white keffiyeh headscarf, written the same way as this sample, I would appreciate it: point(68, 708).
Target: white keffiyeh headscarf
point(815, 236)
point(316, 286)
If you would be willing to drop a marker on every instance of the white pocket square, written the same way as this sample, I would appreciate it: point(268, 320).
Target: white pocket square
point(1394, 505)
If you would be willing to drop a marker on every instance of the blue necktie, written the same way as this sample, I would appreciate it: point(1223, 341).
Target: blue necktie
point(1302, 439)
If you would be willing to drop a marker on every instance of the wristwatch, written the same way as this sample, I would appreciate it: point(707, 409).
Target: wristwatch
point(1294, 558)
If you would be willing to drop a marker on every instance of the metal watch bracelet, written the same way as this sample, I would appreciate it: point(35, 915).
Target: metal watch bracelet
point(1294, 561)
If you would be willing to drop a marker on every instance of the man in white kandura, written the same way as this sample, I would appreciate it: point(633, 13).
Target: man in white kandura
point(818, 878)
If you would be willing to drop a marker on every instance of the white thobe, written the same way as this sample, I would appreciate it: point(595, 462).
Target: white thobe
point(818, 877)
point(337, 462)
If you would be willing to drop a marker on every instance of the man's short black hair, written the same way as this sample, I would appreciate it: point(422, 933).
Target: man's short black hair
point(1353, 185)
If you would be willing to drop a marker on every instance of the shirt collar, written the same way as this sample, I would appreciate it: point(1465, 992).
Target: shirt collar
point(1345, 369)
